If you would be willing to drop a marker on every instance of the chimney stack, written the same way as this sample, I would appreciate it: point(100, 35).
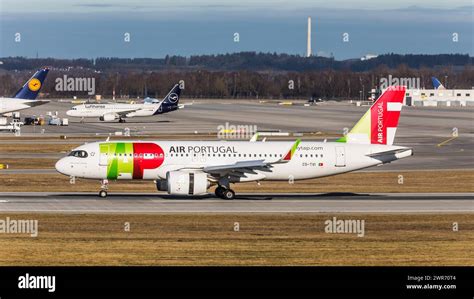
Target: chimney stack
point(308, 50)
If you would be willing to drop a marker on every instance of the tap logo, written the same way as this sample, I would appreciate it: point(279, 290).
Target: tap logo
point(34, 84)
point(130, 160)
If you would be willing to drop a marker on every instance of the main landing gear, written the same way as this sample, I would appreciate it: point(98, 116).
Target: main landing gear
point(225, 193)
point(121, 120)
point(223, 189)
point(103, 188)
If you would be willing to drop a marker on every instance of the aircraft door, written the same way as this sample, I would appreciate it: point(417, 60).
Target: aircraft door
point(340, 156)
point(104, 155)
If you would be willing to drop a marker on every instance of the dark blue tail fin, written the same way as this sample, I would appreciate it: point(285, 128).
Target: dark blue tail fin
point(436, 83)
point(173, 96)
point(32, 87)
point(171, 101)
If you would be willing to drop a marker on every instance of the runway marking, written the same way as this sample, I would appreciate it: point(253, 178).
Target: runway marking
point(446, 141)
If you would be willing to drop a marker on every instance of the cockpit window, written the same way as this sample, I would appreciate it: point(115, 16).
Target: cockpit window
point(78, 154)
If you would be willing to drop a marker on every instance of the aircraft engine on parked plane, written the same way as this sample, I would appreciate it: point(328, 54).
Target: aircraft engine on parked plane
point(108, 117)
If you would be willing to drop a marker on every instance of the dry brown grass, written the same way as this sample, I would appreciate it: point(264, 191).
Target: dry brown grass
point(359, 182)
point(283, 239)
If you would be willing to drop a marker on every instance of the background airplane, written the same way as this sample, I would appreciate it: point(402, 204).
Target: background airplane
point(25, 97)
point(436, 83)
point(110, 112)
point(191, 167)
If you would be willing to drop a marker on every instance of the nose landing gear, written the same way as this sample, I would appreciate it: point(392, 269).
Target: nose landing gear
point(103, 188)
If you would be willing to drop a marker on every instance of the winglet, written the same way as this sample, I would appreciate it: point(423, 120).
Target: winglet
point(290, 153)
point(254, 137)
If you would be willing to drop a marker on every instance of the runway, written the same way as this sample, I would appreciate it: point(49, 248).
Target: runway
point(245, 203)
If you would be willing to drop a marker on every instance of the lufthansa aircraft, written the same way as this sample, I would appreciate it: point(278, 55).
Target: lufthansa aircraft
point(191, 167)
point(110, 112)
point(25, 97)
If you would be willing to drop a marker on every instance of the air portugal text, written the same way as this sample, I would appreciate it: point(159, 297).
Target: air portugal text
point(204, 149)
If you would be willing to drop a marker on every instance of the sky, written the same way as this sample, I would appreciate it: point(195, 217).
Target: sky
point(343, 28)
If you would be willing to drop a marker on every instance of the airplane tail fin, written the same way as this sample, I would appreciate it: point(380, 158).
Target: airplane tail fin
point(171, 101)
point(436, 83)
point(31, 89)
point(379, 123)
point(172, 97)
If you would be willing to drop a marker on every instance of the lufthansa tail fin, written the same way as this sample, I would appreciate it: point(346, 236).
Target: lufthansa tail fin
point(31, 89)
point(173, 96)
point(436, 83)
point(379, 123)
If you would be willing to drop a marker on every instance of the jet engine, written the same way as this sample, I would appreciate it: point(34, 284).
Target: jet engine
point(184, 183)
point(107, 117)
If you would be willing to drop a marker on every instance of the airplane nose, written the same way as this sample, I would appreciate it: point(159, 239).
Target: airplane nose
point(69, 113)
point(61, 166)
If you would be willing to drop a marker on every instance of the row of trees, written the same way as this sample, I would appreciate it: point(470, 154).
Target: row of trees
point(329, 84)
point(249, 61)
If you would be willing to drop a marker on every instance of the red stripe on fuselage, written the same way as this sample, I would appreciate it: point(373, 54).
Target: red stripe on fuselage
point(146, 156)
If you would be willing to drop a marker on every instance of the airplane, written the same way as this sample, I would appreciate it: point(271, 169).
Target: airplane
point(188, 168)
point(25, 97)
point(436, 83)
point(111, 112)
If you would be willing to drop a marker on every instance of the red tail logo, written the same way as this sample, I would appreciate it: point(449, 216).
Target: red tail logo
point(385, 114)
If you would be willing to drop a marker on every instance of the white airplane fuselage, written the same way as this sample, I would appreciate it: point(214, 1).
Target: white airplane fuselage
point(99, 110)
point(310, 159)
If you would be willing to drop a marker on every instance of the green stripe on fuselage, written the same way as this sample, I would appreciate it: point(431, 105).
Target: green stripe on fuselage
point(120, 159)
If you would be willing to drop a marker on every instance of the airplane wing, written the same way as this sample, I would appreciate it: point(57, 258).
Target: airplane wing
point(241, 168)
point(124, 112)
point(37, 102)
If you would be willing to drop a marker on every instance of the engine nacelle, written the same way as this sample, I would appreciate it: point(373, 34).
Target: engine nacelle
point(107, 117)
point(162, 185)
point(185, 183)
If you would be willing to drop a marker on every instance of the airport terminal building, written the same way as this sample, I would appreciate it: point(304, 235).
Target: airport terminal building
point(439, 97)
